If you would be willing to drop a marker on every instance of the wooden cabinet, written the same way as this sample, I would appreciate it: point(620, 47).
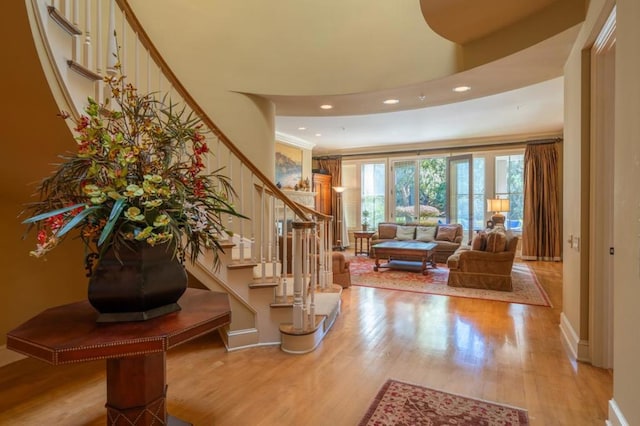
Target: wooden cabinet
point(322, 188)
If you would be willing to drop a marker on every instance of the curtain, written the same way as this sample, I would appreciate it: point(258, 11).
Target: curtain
point(334, 167)
point(541, 228)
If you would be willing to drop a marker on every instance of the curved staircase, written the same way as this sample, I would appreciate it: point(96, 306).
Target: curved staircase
point(77, 42)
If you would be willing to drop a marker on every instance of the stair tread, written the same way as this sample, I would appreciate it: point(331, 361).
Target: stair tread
point(265, 284)
point(241, 265)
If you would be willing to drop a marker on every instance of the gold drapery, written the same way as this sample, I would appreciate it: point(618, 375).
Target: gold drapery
point(541, 227)
point(334, 167)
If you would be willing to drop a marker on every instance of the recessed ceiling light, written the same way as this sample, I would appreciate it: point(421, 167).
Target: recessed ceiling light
point(461, 89)
point(318, 134)
point(326, 106)
point(391, 101)
point(302, 128)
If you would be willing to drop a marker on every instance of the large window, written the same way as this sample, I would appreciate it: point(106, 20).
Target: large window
point(509, 179)
point(416, 189)
point(372, 186)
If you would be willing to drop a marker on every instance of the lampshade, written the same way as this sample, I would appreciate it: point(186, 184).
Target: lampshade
point(339, 189)
point(497, 205)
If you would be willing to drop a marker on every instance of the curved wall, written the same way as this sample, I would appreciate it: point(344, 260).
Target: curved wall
point(32, 137)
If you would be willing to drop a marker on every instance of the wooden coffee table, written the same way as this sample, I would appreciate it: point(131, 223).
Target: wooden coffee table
point(405, 255)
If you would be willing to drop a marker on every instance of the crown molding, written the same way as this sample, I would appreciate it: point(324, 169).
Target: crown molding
point(294, 140)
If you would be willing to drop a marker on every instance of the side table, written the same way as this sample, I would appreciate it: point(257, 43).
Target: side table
point(135, 351)
point(361, 236)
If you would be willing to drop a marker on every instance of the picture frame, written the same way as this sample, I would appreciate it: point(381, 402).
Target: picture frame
point(490, 224)
point(288, 170)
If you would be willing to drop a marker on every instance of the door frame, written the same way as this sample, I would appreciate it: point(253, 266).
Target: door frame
point(601, 189)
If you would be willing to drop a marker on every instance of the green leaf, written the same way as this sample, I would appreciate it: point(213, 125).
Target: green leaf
point(76, 219)
point(52, 213)
point(118, 206)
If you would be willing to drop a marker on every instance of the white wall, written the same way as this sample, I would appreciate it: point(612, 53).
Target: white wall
point(626, 379)
point(624, 405)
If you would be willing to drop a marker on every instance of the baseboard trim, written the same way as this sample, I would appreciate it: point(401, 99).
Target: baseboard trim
point(616, 418)
point(244, 338)
point(579, 348)
point(7, 356)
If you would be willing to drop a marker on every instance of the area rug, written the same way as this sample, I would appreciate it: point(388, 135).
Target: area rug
point(526, 288)
point(399, 403)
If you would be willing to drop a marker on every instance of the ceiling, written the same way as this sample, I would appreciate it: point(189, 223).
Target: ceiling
point(515, 97)
point(354, 54)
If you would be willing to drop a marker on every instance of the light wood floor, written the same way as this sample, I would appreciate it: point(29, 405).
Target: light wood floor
point(496, 351)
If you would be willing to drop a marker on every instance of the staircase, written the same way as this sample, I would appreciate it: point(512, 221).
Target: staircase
point(77, 47)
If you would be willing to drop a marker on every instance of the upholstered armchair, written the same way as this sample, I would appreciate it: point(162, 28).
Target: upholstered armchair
point(484, 265)
point(340, 267)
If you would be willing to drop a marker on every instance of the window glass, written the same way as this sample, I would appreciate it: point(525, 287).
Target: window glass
point(509, 180)
point(372, 186)
point(433, 189)
point(404, 189)
point(479, 205)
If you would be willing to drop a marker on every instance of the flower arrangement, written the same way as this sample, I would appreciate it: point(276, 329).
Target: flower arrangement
point(137, 177)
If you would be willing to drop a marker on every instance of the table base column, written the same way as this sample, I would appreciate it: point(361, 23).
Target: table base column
point(136, 391)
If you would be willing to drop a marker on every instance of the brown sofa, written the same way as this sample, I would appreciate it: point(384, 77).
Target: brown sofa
point(486, 264)
point(448, 237)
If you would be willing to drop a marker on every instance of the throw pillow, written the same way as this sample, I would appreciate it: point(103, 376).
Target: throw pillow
point(446, 233)
point(404, 233)
point(426, 233)
point(496, 241)
point(387, 231)
point(479, 241)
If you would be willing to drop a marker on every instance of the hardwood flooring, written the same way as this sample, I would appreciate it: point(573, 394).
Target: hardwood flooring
point(507, 353)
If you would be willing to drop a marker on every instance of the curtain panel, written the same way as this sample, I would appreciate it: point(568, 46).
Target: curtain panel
point(541, 239)
point(334, 167)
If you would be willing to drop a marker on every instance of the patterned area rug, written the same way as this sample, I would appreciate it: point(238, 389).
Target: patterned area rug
point(400, 403)
point(526, 288)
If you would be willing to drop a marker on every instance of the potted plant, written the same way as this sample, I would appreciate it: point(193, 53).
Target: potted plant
point(137, 194)
point(365, 220)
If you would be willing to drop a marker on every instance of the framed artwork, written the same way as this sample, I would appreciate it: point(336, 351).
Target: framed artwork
point(288, 165)
point(490, 224)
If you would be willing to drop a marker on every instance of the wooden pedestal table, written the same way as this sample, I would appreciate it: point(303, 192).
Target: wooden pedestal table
point(135, 351)
point(361, 236)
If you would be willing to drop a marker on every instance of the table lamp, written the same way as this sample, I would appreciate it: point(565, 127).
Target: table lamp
point(497, 206)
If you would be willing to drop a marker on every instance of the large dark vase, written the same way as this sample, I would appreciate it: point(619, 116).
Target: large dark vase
point(143, 283)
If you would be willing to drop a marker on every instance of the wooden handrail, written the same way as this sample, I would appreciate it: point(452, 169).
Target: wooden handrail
point(144, 39)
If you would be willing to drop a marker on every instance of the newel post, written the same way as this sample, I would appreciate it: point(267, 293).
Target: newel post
point(300, 259)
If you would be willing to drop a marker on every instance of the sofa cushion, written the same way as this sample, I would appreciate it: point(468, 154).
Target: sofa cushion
point(479, 241)
point(426, 233)
point(496, 241)
point(446, 233)
point(387, 231)
point(405, 232)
